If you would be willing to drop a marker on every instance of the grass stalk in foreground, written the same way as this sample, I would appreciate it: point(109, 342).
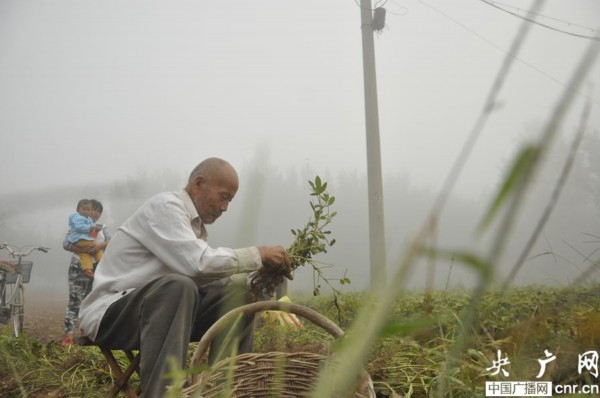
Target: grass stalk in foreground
point(553, 199)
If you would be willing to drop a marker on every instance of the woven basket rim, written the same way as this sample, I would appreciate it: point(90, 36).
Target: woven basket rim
point(297, 372)
point(200, 381)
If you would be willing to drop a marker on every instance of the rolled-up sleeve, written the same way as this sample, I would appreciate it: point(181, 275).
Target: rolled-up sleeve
point(248, 259)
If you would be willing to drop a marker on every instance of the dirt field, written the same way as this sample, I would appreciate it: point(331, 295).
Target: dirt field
point(44, 316)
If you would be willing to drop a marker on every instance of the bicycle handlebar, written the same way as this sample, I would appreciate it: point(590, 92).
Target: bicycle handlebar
point(15, 252)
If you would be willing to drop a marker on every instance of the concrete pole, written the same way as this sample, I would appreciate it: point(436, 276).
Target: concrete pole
point(377, 254)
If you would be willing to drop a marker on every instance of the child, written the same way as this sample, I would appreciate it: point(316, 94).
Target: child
point(81, 227)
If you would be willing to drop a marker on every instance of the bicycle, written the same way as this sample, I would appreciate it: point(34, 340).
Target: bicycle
point(13, 274)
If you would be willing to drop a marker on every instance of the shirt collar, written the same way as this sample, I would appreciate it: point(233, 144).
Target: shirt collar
point(189, 206)
point(195, 220)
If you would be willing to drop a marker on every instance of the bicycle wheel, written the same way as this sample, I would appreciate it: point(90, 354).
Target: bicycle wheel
point(19, 311)
point(16, 297)
point(2, 294)
point(5, 312)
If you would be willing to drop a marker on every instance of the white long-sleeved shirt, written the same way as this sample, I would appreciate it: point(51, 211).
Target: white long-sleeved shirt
point(164, 236)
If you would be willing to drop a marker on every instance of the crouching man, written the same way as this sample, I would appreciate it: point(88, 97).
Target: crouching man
point(160, 286)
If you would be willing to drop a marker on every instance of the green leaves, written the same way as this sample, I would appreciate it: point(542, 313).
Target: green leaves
point(314, 238)
point(345, 281)
point(518, 175)
point(317, 186)
point(405, 328)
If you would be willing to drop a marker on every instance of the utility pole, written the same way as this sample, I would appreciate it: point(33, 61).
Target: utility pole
point(377, 254)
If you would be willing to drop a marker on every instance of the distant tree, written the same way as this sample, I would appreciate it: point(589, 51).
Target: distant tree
point(125, 196)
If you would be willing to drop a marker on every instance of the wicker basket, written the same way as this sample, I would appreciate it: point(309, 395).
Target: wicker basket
point(25, 270)
point(272, 374)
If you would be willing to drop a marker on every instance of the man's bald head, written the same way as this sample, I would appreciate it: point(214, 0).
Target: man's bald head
point(209, 167)
point(211, 186)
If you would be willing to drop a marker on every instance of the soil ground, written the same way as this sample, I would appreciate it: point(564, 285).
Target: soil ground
point(44, 316)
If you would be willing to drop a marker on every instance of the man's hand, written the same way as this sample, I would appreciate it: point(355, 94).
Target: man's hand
point(276, 258)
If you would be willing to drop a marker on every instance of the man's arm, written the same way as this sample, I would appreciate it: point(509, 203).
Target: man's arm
point(163, 227)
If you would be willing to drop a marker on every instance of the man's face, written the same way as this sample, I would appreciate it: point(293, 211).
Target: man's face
point(211, 197)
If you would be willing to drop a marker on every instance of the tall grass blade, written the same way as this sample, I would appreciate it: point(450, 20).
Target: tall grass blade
point(516, 177)
point(554, 197)
point(488, 107)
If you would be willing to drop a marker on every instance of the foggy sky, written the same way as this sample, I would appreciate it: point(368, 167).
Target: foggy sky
point(159, 85)
point(97, 92)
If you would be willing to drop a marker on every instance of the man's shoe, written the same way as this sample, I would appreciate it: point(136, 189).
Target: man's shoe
point(4, 315)
point(68, 340)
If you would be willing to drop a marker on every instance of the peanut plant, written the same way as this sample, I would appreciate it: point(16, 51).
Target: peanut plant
point(312, 239)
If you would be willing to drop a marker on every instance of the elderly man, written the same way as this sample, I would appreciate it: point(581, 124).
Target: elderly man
point(160, 286)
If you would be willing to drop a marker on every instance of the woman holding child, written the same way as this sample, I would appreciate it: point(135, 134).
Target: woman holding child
point(80, 280)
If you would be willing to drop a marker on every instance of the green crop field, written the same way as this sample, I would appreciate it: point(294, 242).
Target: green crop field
point(407, 359)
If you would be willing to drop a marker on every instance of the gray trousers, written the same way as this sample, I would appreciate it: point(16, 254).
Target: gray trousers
point(79, 287)
point(162, 317)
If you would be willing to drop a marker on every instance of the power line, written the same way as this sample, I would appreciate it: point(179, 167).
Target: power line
point(400, 7)
point(545, 16)
point(507, 53)
point(495, 5)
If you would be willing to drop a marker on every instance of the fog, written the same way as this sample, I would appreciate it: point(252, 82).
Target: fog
point(120, 100)
point(270, 203)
